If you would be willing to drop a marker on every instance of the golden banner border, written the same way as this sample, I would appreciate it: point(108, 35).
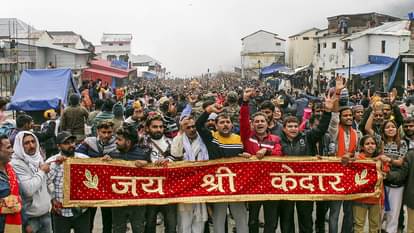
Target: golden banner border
point(217, 198)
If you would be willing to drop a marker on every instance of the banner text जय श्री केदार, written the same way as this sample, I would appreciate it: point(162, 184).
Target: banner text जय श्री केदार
point(93, 182)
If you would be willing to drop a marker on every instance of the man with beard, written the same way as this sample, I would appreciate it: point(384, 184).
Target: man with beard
point(408, 127)
point(211, 121)
point(375, 121)
point(131, 150)
point(138, 115)
point(189, 146)
point(268, 108)
point(295, 143)
point(346, 146)
point(358, 111)
point(223, 144)
point(31, 172)
point(64, 219)
point(101, 146)
point(169, 113)
point(160, 155)
point(10, 212)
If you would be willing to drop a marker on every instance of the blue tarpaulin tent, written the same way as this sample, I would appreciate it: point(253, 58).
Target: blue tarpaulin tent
point(377, 64)
point(273, 68)
point(41, 89)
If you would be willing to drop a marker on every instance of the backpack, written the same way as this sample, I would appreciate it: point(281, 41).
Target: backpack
point(6, 128)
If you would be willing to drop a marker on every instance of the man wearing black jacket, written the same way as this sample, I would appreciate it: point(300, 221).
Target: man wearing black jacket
point(295, 143)
point(127, 144)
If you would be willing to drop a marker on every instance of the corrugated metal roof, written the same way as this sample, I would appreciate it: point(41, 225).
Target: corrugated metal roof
point(274, 34)
point(143, 58)
point(57, 47)
point(114, 37)
point(397, 28)
point(65, 39)
point(303, 32)
point(106, 72)
point(15, 27)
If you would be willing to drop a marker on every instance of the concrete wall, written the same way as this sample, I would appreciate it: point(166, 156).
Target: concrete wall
point(330, 58)
point(301, 51)
point(251, 61)
point(262, 42)
point(115, 49)
point(394, 45)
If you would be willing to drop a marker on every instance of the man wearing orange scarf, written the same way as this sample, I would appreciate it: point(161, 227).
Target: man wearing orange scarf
point(347, 141)
point(10, 201)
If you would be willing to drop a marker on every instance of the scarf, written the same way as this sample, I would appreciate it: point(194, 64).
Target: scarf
point(33, 161)
point(13, 221)
point(196, 151)
point(341, 141)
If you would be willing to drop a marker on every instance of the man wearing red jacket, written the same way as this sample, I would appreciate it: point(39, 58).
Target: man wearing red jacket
point(259, 142)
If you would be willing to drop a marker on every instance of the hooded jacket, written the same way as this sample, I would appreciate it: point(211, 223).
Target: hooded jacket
point(32, 180)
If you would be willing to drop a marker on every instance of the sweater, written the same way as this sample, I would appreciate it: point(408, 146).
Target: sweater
point(217, 145)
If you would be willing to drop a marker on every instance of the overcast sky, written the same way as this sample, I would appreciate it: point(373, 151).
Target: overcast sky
point(190, 36)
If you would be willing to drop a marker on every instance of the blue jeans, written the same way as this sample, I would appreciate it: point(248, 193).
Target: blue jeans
point(41, 224)
point(348, 220)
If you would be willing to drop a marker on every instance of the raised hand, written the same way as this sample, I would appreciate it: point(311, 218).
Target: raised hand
point(339, 83)
point(216, 108)
point(329, 102)
point(248, 93)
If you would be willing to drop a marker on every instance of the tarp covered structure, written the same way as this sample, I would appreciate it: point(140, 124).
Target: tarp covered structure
point(41, 89)
point(273, 68)
point(377, 64)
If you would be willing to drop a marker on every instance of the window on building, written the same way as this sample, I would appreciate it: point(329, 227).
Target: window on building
point(111, 57)
point(305, 38)
point(120, 44)
point(324, 45)
point(383, 46)
point(334, 45)
point(278, 43)
point(319, 48)
point(345, 45)
point(110, 44)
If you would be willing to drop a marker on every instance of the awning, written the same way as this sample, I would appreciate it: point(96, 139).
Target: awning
point(394, 74)
point(377, 65)
point(273, 68)
point(106, 73)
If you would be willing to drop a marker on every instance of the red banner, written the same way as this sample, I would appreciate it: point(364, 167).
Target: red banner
point(92, 182)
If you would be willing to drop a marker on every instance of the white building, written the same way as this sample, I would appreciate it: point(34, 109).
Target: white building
point(147, 66)
point(261, 49)
point(115, 46)
point(388, 40)
point(408, 59)
point(301, 48)
point(69, 39)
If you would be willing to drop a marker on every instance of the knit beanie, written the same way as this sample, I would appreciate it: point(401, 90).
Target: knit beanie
point(118, 110)
point(344, 97)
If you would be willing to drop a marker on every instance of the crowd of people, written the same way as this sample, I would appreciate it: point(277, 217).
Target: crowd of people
point(163, 121)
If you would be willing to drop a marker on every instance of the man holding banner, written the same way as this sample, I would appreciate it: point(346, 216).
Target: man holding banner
point(295, 143)
point(223, 144)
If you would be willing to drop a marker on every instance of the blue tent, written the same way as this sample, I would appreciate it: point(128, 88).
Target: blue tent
point(273, 68)
point(41, 89)
point(377, 64)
